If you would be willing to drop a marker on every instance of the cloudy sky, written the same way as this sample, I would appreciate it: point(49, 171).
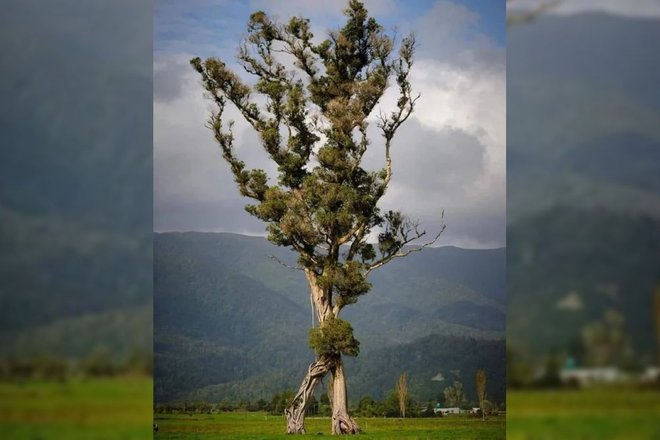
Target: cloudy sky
point(630, 8)
point(449, 156)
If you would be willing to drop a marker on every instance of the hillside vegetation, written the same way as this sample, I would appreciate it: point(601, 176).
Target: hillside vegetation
point(215, 338)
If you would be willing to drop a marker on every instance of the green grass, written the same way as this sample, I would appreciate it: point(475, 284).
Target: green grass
point(259, 426)
point(599, 413)
point(77, 409)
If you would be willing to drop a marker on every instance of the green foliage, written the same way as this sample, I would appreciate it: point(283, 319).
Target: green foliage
point(280, 401)
point(334, 337)
point(481, 389)
point(98, 364)
point(41, 367)
point(322, 198)
point(215, 296)
point(391, 405)
point(367, 407)
point(606, 341)
point(454, 395)
point(348, 281)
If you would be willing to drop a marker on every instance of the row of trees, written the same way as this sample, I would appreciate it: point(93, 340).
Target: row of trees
point(97, 364)
point(398, 403)
point(453, 394)
point(365, 407)
point(602, 342)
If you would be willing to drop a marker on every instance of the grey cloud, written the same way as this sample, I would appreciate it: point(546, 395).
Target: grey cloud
point(168, 79)
point(448, 32)
point(435, 168)
point(449, 158)
point(216, 215)
point(193, 186)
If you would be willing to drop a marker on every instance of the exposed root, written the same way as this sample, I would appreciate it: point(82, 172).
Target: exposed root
point(344, 424)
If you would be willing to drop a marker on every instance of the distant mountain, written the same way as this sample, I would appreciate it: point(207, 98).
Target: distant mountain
point(68, 290)
point(433, 363)
point(216, 335)
point(75, 178)
point(583, 187)
point(602, 259)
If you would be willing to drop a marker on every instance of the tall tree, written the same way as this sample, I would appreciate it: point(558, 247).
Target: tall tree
point(402, 393)
point(481, 391)
point(454, 395)
point(656, 320)
point(323, 204)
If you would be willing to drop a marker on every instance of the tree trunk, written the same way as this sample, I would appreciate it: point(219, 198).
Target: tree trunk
point(295, 413)
point(342, 423)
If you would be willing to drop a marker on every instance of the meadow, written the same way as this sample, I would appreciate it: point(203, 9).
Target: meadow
point(97, 409)
point(261, 426)
point(609, 413)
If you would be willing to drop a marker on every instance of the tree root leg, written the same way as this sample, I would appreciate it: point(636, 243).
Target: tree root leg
point(295, 413)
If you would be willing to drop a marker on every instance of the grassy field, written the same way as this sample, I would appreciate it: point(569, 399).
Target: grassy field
point(77, 409)
point(259, 426)
point(601, 413)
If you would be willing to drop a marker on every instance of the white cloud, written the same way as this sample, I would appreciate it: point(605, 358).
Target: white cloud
point(284, 9)
point(450, 155)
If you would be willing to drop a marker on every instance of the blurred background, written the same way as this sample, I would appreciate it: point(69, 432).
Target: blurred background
point(583, 236)
point(583, 219)
point(75, 216)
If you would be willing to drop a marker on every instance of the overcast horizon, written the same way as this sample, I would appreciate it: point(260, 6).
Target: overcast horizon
point(450, 155)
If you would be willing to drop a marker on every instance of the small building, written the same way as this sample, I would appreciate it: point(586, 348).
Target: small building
point(446, 411)
point(590, 376)
point(650, 375)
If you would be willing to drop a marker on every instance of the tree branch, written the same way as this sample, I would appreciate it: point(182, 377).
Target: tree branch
point(528, 15)
point(273, 257)
point(406, 239)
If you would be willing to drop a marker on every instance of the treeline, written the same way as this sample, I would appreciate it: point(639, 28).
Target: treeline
point(602, 342)
point(97, 364)
point(365, 407)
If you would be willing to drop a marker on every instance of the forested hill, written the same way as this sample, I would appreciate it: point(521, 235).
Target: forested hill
point(75, 179)
point(231, 323)
point(583, 187)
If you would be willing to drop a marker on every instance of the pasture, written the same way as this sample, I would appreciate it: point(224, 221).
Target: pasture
point(97, 409)
point(260, 426)
point(597, 413)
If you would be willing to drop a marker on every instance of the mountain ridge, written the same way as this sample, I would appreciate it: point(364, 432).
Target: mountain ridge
point(232, 278)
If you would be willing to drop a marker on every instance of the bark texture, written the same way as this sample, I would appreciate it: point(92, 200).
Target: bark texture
point(323, 203)
point(295, 413)
point(342, 422)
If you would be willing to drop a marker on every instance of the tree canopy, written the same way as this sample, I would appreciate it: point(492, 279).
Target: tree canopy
point(323, 203)
point(314, 128)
